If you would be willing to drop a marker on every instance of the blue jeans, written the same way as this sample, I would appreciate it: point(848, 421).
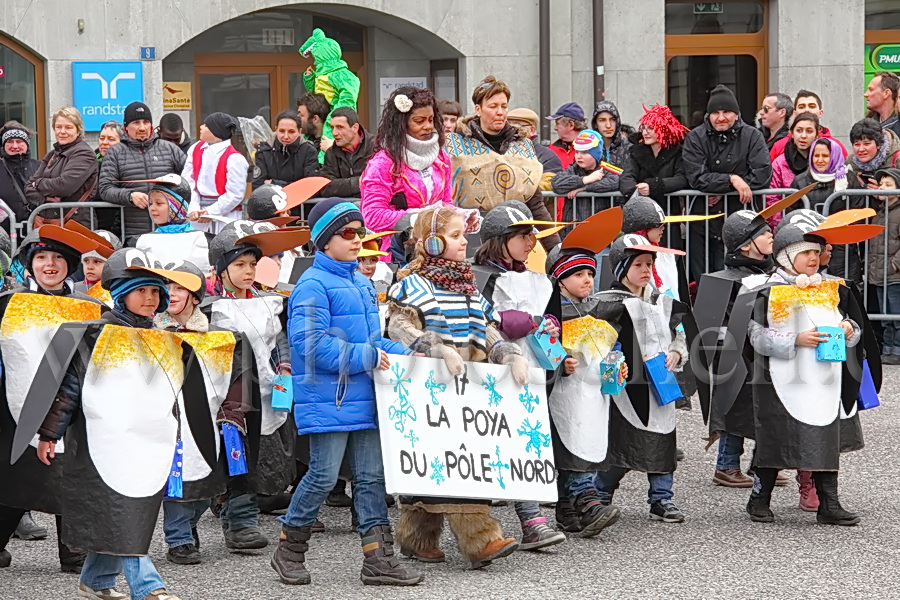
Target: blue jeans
point(240, 511)
point(581, 483)
point(100, 571)
point(660, 485)
point(179, 518)
point(891, 328)
point(527, 511)
point(326, 452)
point(730, 449)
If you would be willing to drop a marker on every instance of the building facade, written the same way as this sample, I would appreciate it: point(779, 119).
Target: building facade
point(240, 56)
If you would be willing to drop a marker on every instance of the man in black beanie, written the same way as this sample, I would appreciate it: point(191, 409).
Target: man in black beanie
point(141, 155)
point(723, 155)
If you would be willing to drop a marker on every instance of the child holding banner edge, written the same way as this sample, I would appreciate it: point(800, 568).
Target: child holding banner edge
point(336, 342)
point(436, 308)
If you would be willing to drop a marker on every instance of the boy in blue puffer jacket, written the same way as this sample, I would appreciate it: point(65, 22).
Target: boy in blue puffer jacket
point(336, 341)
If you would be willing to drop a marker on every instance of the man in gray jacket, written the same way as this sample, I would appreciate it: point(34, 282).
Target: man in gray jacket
point(141, 155)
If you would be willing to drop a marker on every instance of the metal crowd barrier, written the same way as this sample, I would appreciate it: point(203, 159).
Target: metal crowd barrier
point(64, 207)
point(877, 307)
point(13, 226)
point(701, 238)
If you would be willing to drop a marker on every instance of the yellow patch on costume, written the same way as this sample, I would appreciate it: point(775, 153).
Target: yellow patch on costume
point(785, 300)
point(323, 86)
point(215, 348)
point(119, 345)
point(30, 311)
point(100, 293)
point(590, 336)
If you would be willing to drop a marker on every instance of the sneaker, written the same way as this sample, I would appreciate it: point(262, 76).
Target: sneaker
point(186, 554)
point(890, 359)
point(733, 478)
point(248, 538)
point(666, 511)
point(594, 516)
point(72, 564)
point(679, 454)
point(318, 527)
point(161, 595)
point(107, 594)
point(338, 499)
point(782, 479)
point(28, 530)
point(5, 559)
point(537, 534)
point(567, 518)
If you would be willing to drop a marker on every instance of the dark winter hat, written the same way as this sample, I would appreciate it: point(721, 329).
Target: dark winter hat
point(14, 132)
point(499, 220)
point(722, 98)
point(570, 262)
point(137, 111)
point(742, 227)
point(892, 173)
point(266, 202)
point(571, 110)
point(328, 217)
point(221, 125)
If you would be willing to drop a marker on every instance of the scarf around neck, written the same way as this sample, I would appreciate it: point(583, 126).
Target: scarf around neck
point(795, 161)
point(456, 276)
point(872, 165)
point(421, 154)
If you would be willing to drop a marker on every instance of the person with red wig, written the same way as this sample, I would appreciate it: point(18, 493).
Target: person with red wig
point(654, 167)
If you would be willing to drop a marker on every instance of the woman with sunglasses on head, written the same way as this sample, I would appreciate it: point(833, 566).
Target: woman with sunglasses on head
point(410, 169)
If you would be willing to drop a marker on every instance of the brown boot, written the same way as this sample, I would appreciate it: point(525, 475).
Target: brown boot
point(733, 478)
point(493, 551)
point(419, 532)
point(290, 555)
point(380, 565)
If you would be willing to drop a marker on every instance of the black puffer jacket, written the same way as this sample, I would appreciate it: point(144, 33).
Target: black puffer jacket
point(344, 168)
point(15, 171)
point(134, 159)
point(846, 259)
point(712, 157)
point(664, 173)
point(285, 164)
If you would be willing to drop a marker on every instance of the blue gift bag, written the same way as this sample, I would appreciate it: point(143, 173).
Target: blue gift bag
point(282, 393)
point(833, 350)
point(174, 486)
point(234, 449)
point(548, 349)
point(662, 381)
point(612, 373)
point(868, 397)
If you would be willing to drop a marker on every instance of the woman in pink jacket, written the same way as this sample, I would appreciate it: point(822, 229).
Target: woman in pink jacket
point(410, 169)
point(805, 130)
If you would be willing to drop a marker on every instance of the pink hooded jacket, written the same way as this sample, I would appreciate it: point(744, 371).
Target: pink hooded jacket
point(378, 184)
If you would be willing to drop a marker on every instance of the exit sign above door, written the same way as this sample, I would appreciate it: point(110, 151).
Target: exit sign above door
point(707, 8)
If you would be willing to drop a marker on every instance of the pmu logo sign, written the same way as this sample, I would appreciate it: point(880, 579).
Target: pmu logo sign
point(102, 90)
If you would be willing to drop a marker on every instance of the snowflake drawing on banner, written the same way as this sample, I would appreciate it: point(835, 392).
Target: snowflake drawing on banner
point(528, 399)
point(413, 438)
point(536, 439)
point(498, 466)
point(434, 388)
point(437, 471)
point(405, 410)
point(490, 384)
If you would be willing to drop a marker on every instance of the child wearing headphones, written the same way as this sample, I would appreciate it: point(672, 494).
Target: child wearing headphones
point(435, 308)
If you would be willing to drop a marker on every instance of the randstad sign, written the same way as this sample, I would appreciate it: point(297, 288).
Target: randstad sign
point(102, 90)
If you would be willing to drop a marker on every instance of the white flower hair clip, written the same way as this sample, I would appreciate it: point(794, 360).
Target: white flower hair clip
point(403, 103)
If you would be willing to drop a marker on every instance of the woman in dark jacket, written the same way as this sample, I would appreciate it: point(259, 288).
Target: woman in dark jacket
point(68, 173)
point(16, 168)
point(288, 158)
point(654, 167)
point(828, 171)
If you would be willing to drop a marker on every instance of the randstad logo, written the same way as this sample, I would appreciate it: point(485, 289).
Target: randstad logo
point(102, 90)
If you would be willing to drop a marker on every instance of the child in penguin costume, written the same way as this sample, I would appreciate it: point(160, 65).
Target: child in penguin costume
point(236, 304)
point(224, 384)
point(641, 428)
point(174, 238)
point(799, 397)
point(113, 487)
point(579, 410)
point(748, 263)
point(93, 262)
point(520, 298)
point(436, 308)
point(29, 317)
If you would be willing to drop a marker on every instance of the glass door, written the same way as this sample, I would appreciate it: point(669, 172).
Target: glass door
point(238, 94)
point(22, 92)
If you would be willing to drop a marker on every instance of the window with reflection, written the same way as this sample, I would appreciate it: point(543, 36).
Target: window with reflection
point(696, 18)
